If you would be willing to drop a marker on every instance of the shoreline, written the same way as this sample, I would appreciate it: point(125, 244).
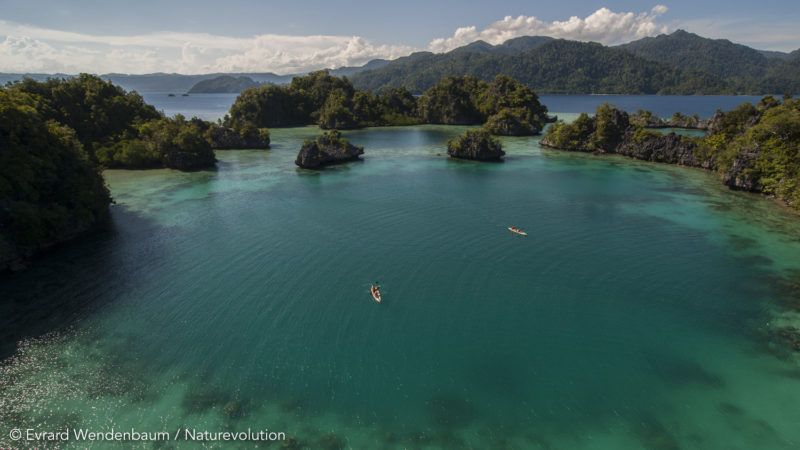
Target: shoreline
point(761, 195)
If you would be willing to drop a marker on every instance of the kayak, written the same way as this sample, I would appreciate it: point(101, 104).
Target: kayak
point(376, 294)
point(518, 231)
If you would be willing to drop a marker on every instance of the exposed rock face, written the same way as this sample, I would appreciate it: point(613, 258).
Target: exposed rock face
point(330, 148)
point(739, 177)
point(671, 148)
point(613, 129)
point(511, 122)
point(620, 135)
point(477, 145)
point(668, 148)
point(717, 121)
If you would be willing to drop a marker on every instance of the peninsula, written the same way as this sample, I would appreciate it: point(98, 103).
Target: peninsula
point(754, 148)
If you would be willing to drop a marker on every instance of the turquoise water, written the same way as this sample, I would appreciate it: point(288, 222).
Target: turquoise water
point(638, 313)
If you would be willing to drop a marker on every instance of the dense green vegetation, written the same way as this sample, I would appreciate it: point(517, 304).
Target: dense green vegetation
point(746, 69)
point(118, 129)
point(475, 144)
point(54, 137)
point(590, 133)
point(555, 66)
point(322, 99)
point(168, 142)
point(329, 148)
point(96, 109)
point(755, 148)
point(760, 147)
point(333, 103)
point(681, 63)
point(50, 191)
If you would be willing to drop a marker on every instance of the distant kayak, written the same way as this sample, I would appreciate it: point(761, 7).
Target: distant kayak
point(517, 230)
point(376, 293)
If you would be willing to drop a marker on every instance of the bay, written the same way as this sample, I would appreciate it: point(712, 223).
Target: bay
point(640, 312)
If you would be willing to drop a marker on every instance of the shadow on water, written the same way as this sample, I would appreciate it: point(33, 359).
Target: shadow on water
point(676, 370)
point(67, 284)
point(752, 428)
point(654, 435)
point(447, 410)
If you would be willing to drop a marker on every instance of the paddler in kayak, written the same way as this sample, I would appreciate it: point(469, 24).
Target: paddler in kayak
point(376, 292)
point(518, 231)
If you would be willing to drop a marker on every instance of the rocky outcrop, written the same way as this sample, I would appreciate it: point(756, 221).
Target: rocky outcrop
point(741, 175)
point(511, 122)
point(330, 148)
point(636, 142)
point(648, 120)
point(735, 121)
point(475, 144)
point(669, 148)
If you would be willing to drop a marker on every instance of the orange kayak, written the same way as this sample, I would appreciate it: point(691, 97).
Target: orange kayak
point(518, 231)
point(376, 293)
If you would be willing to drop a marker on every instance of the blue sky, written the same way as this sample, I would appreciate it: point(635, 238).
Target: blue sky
point(292, 36)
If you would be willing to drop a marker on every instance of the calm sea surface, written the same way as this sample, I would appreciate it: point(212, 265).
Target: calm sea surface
point(640, 311)
point(214, 106)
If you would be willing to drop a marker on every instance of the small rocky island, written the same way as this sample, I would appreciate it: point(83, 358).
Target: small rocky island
point(475, 144)
point(330, 148)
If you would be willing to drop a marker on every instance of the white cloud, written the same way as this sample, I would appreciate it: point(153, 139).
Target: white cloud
point(25, 48)
point(30, 49)
point(603, 25)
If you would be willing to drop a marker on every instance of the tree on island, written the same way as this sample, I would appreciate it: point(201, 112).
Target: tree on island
point(475, 144)
point(50, 191)
point(329, 148)
point(506, 106)
point(754, 148)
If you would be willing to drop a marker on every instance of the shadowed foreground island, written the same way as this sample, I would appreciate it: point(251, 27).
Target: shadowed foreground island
point(50, 192)
point(56, 136)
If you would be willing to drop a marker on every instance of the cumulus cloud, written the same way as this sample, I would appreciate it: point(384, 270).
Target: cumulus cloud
point(603, 25)
point(25, 48)
point(30, 49)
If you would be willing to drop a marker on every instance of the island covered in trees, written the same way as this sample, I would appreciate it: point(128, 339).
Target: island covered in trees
point(329, 148)
point(475, 144)
point(57, 135)
point(503, 105)
point(754, 148)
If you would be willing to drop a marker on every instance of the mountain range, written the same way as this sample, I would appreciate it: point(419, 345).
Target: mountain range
point(676, 63)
